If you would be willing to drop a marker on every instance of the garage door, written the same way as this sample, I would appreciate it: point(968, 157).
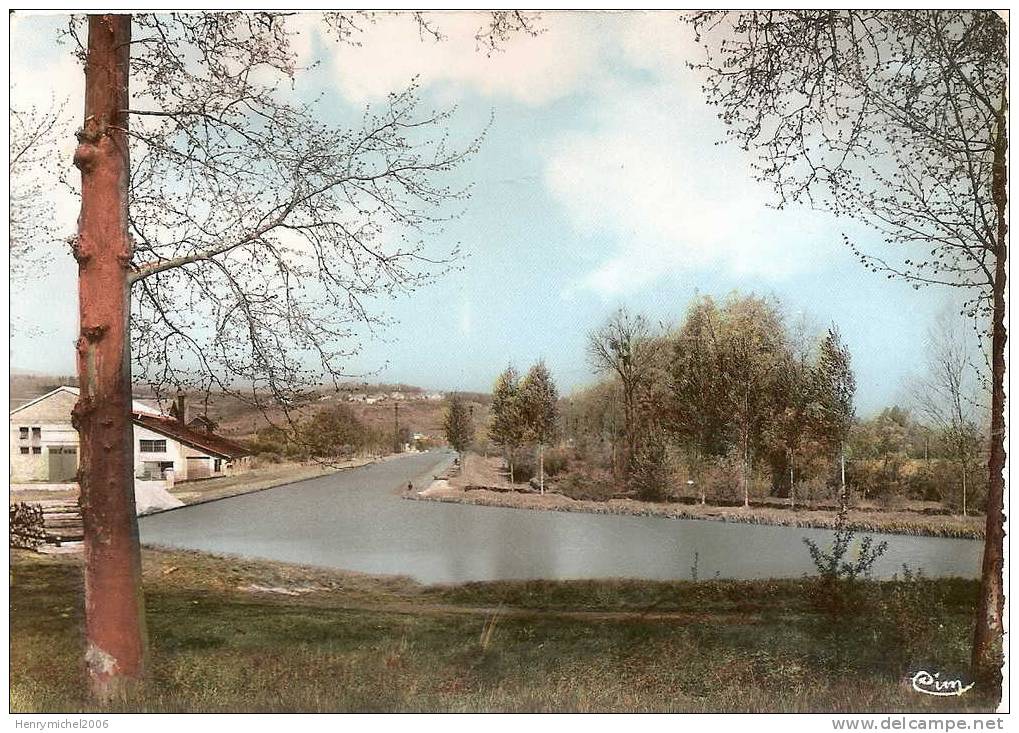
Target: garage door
point(63, 462)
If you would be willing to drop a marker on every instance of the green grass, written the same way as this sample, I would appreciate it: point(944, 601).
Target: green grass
point(355, 643)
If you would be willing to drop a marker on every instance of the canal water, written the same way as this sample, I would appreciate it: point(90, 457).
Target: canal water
point(354, 520)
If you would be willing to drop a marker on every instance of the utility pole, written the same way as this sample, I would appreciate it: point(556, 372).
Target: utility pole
point(396, 427)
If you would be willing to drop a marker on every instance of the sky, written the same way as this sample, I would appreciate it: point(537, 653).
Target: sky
point(599, 184)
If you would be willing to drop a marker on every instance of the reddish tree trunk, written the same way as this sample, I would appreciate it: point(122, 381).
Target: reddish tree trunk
point(987, 641)
point(114, 612)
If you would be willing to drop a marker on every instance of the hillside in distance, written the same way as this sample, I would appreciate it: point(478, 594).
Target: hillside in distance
point(378, 405)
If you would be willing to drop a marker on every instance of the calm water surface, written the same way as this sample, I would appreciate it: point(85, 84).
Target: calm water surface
point(354, 521)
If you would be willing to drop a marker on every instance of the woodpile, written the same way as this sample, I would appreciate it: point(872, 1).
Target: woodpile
point(62, 522)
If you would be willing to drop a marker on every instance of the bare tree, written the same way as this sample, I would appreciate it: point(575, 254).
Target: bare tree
point(626, 346)
point(949, 401)
point(229, 240)
point(503, 25)
point(35, 134)
point(898, 119)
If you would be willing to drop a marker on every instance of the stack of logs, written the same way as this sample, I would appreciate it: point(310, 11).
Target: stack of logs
point(62, 522)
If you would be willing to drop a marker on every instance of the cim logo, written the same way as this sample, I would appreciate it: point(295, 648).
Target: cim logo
point(932, 684)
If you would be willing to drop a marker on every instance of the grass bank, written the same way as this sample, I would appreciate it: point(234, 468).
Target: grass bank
point(231, 635)
point(891, 521)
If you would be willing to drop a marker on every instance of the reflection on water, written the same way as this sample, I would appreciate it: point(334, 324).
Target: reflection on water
point(354, 521)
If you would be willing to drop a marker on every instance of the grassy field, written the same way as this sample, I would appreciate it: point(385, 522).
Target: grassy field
point(230, 635)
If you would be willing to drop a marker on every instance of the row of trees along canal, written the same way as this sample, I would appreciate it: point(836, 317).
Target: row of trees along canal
point(740, 402)
point(524, 410)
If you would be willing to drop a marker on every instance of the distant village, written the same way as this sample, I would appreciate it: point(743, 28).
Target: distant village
point(371, 398)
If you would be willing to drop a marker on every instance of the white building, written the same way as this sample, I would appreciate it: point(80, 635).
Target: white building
point(44, 444)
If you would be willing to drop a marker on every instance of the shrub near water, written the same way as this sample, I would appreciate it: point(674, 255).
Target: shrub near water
point(651, 473)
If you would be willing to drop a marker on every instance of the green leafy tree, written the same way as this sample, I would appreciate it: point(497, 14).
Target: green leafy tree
point(836, 386)
point(334, 432)
point(880, 448)
point(752, 348)
point(458, 424)
point(539, 399)
point(650, 474)
point(507, 427)
point(694, 407)
point(795, 420)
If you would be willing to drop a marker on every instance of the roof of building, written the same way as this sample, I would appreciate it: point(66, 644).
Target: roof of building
point(210, 443)
point(136, 405)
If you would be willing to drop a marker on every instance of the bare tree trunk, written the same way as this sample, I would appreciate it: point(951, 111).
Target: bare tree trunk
point(541, 469)
point(746, 471)
point(792, 485)
point(987, 640)
point(843, 492)
point(964, 489)
point(114, 608)
point(629, 418)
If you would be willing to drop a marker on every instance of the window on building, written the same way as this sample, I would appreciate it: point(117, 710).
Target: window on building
point(36, 450)
point(24, 433)
point(217, 465)
point(36, 433)
point(24, 450)
point(152, 446)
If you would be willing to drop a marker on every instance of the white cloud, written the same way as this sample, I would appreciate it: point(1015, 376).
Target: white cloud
point(529, 70)
point(650, 178)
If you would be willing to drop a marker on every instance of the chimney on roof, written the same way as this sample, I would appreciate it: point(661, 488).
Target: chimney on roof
point(180, 409)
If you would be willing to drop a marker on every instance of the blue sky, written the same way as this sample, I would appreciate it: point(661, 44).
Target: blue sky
point(598, 184)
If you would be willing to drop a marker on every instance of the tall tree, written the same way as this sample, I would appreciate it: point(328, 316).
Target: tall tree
point(458, 424)
point(539, 400)
point(752, 348)
point(114, 620)
point(898, 119)
point(506, 426)
point(836, 385)
point(948, 400)
point(626, 346)
point(695, 411)
point(795, 415)
point(255, 234)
